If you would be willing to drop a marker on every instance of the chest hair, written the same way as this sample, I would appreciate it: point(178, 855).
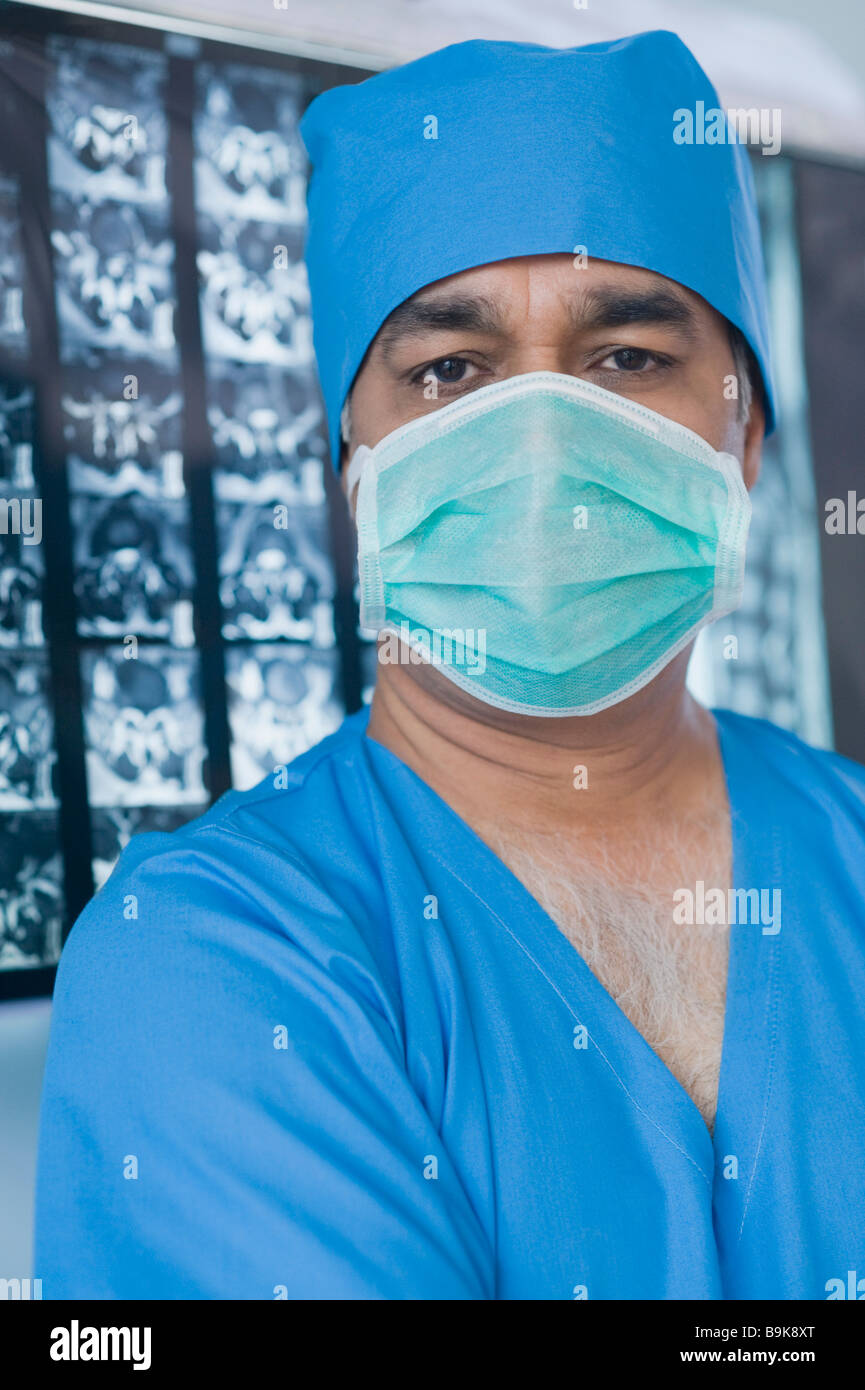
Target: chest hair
point(616, 909)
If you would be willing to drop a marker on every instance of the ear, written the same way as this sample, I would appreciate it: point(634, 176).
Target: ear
point(755, 431)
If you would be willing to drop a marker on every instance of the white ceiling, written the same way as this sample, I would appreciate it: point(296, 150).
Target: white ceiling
point(806, 58)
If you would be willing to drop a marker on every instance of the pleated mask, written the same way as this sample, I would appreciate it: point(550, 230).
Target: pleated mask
point(548, 545)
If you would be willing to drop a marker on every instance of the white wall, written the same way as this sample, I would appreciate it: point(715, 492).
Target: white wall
point(23, 1040)
point(806, 58)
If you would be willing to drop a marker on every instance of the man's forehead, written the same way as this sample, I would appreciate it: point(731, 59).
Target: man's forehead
point(602, 294)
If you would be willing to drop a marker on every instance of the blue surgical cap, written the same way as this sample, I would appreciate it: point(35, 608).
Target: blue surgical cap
point(535, 150)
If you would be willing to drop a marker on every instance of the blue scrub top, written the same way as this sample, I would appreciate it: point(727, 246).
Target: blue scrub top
point(320, 1043)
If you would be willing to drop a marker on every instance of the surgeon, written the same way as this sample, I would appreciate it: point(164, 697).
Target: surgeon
point(538, 980)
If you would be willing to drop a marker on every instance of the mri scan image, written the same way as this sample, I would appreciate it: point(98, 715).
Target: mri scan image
point(254, 429)
point(122, 429)
point(16, 437)
point(133, 568)
point(277, 579)
point(282, 700)
point(115, 287)
point(21, 579)
point(254, 292)
point(108, 127)
point(250, 160)
point(31, 890)
point(144, 728)
point(13, 330)
point(268, 433)
point(27, 754)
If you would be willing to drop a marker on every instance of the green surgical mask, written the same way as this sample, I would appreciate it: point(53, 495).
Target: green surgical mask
point(548, 545)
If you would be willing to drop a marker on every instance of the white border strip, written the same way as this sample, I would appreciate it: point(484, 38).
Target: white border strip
point(264, 39)
point(837, 147)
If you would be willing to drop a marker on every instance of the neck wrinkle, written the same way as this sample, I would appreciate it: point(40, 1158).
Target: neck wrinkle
point(656, 754)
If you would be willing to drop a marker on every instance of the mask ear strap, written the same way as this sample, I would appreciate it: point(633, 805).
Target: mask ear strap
point(355, 467)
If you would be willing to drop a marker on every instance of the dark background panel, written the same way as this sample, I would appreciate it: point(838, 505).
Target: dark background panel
point(118, 477)
point(831, 228)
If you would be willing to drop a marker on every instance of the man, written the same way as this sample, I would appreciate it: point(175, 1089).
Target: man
point(543, 982)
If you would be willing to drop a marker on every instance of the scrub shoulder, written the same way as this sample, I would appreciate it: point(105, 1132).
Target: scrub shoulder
point(293, 860)
point(275, 873)
point(801, 767)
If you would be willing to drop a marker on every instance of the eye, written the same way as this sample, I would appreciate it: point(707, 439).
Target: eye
point(448, 369)
point(630, 359)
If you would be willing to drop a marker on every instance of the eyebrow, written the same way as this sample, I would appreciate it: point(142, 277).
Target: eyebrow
point(461, 313)
point(611, 307)
point(617, 308)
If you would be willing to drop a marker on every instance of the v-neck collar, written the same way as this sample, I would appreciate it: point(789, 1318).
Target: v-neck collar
point(751, 1011)
point(745, 1070)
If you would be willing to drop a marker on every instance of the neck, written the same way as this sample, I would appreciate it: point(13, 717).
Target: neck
point(654, 754)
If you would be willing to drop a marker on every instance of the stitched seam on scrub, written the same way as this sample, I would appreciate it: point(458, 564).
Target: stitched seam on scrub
point(772, 1011)
point(297, 864)
point(396, 1025)
point(636, 1104)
